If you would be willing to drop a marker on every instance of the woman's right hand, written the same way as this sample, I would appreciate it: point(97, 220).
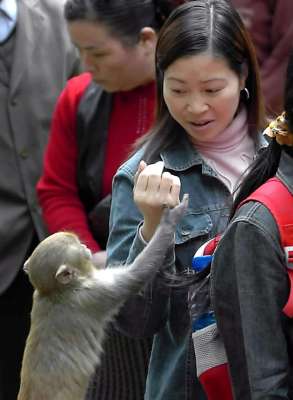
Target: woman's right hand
point(154, 190)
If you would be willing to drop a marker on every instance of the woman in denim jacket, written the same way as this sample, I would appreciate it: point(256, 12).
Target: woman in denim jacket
point(250, 284)
point(209, 114)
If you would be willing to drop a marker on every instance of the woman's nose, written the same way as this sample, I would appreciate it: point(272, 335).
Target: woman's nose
point(197, 105)
point(87, 61)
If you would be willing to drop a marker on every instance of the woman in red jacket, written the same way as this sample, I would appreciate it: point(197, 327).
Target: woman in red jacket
point(101, 113)
point(98, 117)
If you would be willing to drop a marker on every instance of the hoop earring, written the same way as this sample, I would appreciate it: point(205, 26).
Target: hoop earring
point(246, 93)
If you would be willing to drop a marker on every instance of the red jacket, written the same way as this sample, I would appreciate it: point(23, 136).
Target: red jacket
point(57, 189)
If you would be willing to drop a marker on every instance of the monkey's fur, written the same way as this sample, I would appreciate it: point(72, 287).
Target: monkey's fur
point(72, 304)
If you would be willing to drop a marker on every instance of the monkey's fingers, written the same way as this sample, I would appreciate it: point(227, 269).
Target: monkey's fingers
point(185, 201)
point(174, 215)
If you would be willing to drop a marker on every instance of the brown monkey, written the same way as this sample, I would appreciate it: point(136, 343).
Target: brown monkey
point(72, 304)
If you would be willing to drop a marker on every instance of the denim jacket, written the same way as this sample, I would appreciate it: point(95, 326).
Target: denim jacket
point(159, 311)
point(250, 287)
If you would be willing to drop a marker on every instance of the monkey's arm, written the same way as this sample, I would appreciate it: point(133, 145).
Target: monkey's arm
point(144, 314)
point(121, 283)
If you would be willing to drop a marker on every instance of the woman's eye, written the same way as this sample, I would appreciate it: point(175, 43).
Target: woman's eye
point(177, 91)
point(211, 91)
point(98, 55)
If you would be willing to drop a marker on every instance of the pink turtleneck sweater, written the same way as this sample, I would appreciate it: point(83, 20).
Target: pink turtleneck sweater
point(231, 152)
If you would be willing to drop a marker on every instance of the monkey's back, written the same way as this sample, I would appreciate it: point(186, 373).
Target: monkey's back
point(62, 350)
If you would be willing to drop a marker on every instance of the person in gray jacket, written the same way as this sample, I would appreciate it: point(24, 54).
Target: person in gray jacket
point(36, 59)
point(250, 274)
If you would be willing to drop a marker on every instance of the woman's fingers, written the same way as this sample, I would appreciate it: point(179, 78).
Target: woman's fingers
point(165, 188)
point(142, 165)
point(154, 173)
point(150, 177)
point(156, 188)
point(169, 190)
point(175, 190)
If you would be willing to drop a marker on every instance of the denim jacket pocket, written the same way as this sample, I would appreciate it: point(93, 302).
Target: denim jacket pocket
point(193, 225)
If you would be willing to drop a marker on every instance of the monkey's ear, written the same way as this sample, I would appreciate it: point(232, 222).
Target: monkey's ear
point(65, 274)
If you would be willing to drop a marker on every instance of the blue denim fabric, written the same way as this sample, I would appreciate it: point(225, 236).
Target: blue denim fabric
point(159, 311)
point(249, 289)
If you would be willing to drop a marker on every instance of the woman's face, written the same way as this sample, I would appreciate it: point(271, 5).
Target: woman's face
point(202, 94)
point(113, 65)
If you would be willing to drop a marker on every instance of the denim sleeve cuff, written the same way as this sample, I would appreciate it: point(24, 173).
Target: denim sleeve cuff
point(141, 236)
point(138, 245)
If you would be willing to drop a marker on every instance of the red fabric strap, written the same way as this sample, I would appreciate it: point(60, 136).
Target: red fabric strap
point(216, 383)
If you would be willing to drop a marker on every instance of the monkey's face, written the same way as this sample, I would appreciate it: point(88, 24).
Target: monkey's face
point(59, 260)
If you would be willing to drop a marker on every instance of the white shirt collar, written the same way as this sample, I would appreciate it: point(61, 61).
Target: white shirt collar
point(10, 8)
point(8, 18)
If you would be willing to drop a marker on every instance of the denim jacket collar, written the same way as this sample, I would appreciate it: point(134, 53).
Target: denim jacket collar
point(285, 170)
point(181, 156)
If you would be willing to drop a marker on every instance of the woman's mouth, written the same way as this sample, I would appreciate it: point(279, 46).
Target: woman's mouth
point(201, 123)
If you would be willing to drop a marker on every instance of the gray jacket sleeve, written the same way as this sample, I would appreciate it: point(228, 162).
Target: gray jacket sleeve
point(249, 290)
point(145, 313)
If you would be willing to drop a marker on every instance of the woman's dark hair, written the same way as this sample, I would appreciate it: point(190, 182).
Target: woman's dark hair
point(195, 27)
point(124, 18)
point(267, 163)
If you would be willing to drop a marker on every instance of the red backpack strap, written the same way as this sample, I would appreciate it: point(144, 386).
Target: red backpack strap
point(276, 197)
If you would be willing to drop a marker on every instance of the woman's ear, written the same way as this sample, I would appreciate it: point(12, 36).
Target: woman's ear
point(148, 39)
point(244, 75)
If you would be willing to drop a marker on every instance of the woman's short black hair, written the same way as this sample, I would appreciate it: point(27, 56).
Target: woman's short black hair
point(124, 18)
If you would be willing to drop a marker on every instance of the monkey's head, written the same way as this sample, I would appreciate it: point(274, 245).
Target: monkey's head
point(59, 261)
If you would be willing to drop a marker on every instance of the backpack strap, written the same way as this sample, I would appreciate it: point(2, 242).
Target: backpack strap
point(274, 195)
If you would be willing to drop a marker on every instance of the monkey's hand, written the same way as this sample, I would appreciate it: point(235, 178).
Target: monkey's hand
point(153, 256)
point(171, 216)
